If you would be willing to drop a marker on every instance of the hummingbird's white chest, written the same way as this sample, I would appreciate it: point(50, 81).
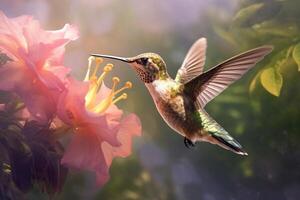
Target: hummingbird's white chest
point(169, 102)
point(164, 90)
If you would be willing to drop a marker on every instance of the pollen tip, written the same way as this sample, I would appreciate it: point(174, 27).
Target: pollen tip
point(91, 58)
point(93, 79)
point(108, 67)
point(99, 60)
point(128, 84)
point(116, 79)
point(124, 96)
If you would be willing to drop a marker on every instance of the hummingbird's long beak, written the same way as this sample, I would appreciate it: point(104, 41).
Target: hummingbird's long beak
point(128, 60)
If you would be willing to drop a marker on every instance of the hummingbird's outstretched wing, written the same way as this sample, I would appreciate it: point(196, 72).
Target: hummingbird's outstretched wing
point(193, 63)
point(211, 83)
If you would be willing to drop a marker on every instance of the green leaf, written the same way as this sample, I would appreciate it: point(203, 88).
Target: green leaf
point(275, 28)
point(280, 59)
point(270, 77)
point(271, 80)
point(254, 82)
point(243, 15)
point(227, 36)
point(296, 55)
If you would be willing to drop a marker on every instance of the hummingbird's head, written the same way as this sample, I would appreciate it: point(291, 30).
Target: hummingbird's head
point(149, 66)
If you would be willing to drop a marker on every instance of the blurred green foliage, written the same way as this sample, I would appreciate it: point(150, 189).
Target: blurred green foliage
point(267, 22)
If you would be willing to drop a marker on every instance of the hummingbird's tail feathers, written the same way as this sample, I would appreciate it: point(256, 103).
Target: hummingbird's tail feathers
point(214, 81)
point(216, 134)
point(231, 144)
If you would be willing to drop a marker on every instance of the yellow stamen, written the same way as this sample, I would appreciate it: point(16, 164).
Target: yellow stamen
point(127, 85)
point(91, 95)
point(96, 83)
point(123, 96)
point(87, 76)
point(105, 103)
point(106, 69)
point(98, 62)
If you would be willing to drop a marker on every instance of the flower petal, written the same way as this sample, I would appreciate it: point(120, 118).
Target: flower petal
point(83, 152)
point(60, 71)
point(72, 102)
point(37, 59)
point(14, 28)
point(40, 102)
point(10, 75)
point(130, 126)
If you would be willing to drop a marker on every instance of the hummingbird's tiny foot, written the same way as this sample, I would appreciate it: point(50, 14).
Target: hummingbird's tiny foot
point(188, 143)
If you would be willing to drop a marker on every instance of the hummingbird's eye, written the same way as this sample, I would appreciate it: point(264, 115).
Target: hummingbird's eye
point(144, 61)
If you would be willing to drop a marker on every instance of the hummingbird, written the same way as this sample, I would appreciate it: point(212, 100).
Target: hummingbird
point(181, 101)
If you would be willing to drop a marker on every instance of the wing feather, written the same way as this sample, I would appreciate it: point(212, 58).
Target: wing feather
point(211, 83)
point(193, 63)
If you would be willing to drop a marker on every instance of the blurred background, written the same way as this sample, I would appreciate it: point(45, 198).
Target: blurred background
point(262, 110)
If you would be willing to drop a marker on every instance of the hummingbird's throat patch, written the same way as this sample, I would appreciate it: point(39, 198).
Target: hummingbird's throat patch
point(146, 77)
point(95, 83)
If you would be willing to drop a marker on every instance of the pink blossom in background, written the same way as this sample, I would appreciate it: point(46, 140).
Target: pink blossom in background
point(101, 133)
point(35, 71)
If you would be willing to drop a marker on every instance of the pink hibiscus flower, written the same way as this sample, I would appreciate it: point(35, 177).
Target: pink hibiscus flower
point(32, 63)
point(101, 131)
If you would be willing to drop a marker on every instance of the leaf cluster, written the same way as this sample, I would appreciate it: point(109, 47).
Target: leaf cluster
point(29, 154)
point(268, 22)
